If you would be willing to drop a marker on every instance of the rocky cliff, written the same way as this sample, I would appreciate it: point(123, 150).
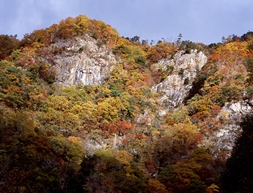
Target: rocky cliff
point(178, 84)
point(117, 103)
point(81, 60)
point(231, 116)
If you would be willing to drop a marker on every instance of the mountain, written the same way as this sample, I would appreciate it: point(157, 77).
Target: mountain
point(85, 110)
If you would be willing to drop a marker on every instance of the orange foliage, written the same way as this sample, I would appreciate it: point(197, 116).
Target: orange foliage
point(155, 186)
point(232, 51)
point(216, 109)
point(198, 138)
point(119, 126)
point(139, 136)
point(148, 80)
point(72, 27)
point(161, 50)
point(157, 76)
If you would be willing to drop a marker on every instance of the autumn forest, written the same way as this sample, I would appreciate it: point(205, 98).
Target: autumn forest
point(125, 132)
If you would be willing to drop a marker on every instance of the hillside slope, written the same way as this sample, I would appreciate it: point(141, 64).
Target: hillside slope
point(85, 110)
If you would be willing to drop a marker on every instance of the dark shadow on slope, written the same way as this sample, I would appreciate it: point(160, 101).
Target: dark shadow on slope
point(196, 85)
point(238, 174)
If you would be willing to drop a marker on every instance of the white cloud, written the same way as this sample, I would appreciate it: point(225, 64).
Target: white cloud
point(205, 21)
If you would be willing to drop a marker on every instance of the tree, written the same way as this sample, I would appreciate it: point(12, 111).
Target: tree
point(238, 174)
point(179, 39)
point(111, 171)
point(7, 45)
point(155, 186)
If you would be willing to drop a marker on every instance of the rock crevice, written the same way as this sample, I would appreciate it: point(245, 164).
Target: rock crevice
point(178, 84)
point(82, 60)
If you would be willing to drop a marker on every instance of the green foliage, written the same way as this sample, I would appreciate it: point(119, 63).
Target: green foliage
point(113, 137)
point(121, 50)
point(140, 60)
point(188, 46)
point(231, 92)
point(186, 81)
point(115, 90)
point(131, 53)
point(42, 71)
point(75, 94)
point(181, 72)
point(167, 173)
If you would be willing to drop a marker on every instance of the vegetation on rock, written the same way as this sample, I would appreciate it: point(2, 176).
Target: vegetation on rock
point(118, 136)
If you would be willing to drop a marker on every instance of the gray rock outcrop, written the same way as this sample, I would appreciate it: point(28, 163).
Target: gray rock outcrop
point(231, 116)
point(81, 60)
point(178, 84)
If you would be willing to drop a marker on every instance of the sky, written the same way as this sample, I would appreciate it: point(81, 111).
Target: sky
point(205, 21)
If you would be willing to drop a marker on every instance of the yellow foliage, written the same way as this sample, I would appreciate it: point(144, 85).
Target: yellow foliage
point(88, 110)
point(83, 22)
point(12, 77)
point(124, 157)
point(26, 80)
point(108, 109)
point(37, 45)
point(124, 42)
point(231, 52)
point(187, 169)
point(77, 109)
point(12, 90)
point(182, 136)
point(36, 98)
point(213, 188)
point(58, 102)
point(76, 140)
point(118, 74)
point(180, 116)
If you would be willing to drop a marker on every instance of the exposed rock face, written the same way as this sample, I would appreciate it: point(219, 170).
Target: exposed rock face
point(231, 115)
point(235, 111)
point(82, 60)
point(177, 85)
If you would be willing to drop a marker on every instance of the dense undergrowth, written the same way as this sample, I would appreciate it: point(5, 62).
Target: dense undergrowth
point(89, 138)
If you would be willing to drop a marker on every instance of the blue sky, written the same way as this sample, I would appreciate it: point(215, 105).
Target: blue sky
point(204, 21)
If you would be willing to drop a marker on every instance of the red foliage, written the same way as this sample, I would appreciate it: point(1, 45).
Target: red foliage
point(121, 127)
point(250, 54)
point(41, 143)
point(157, 75)
point(199, 137)
point(205, 173)
point(148, 80)
point(139, 136)
point(214, 57)
point(59, 160)
point(216, 109)
point(150, 165)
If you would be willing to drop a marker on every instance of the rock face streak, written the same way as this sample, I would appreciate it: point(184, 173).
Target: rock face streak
point(178, 84)
point(82, 60)
point(231, 115)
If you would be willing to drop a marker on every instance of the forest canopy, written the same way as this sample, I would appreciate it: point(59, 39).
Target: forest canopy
point(109, 137)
